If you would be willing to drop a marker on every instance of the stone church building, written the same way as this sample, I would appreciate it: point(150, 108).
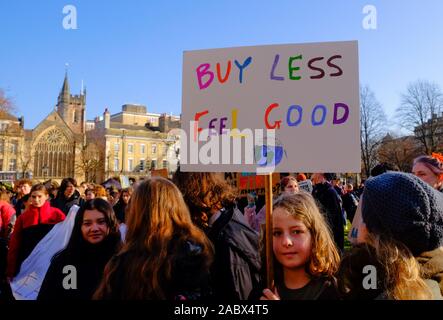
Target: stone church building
point(56, 142)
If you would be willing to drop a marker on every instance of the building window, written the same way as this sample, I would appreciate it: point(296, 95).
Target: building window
point(130, 164)
point(2, 146)
point(130, 148)
point(13, 147)
point(116, 147)
point(153, 164)
point(142, 149)
point(142, 165)
point(3, 126)
point(154, 148)
point(76, 116)
point(12, 165)
point(165, 164)
point(1, 164)
point(116, 162)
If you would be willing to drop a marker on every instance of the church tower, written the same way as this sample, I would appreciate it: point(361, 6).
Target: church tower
point(72, 108)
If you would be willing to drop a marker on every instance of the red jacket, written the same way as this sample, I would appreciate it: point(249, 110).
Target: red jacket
point(6, 212)
point(31, 226)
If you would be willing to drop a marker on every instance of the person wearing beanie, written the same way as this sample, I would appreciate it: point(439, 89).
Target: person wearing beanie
point(401, 233)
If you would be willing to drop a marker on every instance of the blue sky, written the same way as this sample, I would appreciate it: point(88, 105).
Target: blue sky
point(131, 51)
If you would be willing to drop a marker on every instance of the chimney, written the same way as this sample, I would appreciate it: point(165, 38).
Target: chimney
point(107, 118)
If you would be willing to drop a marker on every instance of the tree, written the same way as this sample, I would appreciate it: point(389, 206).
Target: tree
point(418, 112)
point(399, 151)
point(372, 128)
point(92, 156)
point(89, 161)
point(24, 159)
point(6, 104)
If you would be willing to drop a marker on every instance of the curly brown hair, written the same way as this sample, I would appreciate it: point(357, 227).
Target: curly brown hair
point(204, 193)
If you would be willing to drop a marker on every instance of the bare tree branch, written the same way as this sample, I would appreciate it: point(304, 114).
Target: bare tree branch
point(6, 104)
point(420, 106)
point(372, 127)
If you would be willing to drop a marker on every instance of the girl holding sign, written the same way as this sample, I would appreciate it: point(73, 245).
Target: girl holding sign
point(305, 256)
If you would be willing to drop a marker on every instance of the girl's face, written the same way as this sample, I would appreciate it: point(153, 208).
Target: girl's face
point(38, 198)
point(126, 197)
point(292, 187)
point(94, 227)
point(89, 195)
point(25, 189)
point(292, 241)
point(69, 191)
point(424, 173)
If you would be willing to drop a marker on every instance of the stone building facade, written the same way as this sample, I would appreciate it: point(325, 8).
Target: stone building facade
point(134, 142)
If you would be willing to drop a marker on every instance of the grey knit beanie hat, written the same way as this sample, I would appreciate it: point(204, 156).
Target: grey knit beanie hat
point(402, 205)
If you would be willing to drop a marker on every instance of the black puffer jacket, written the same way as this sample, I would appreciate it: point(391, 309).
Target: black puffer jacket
point(65, 204)
point(235, 272)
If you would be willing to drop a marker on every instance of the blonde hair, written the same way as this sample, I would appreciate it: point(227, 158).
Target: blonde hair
point(324, 258)
point(403, 280)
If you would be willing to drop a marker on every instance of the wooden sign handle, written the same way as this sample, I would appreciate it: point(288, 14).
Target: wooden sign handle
point(268, 232)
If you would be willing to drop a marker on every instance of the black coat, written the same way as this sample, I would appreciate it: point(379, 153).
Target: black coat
point(235, 272)
point(329, 202)
point(189, 275)
point(65, 204)
point(120, 210)
point(89, 262)
point(350, 203)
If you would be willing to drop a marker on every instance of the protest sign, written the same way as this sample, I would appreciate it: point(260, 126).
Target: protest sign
point(307, 93)
point(160, 173)
point(306, 185)
point(246, 183)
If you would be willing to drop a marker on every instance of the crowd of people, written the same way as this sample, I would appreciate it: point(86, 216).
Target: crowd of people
point(186, 238)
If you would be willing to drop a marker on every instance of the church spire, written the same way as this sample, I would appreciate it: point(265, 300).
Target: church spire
point(65, 88)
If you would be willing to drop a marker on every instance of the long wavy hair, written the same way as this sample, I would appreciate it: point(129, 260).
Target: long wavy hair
point(204, 192)
point(398, 272)
point(324, 259)
point(158, 223)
